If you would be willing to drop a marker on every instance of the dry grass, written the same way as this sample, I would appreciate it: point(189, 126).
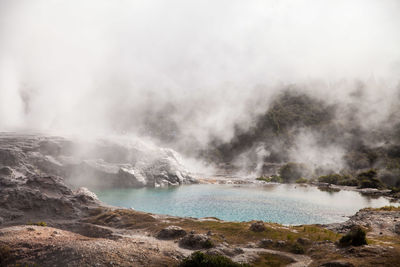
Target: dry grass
point(385, 208)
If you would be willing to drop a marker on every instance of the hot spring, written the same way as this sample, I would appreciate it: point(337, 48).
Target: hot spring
point(279, 203)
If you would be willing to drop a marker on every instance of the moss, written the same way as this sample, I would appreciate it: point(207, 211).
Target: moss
point(199, 259)
point(44, 224)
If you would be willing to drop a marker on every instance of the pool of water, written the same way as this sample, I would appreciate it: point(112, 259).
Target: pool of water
point(285, 204)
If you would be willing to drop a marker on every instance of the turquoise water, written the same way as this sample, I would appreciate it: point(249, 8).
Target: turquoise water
point(285, 204)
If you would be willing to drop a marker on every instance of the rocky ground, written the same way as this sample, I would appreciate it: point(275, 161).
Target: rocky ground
point(46, 220)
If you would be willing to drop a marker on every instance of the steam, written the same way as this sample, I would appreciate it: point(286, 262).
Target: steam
point(183, 73)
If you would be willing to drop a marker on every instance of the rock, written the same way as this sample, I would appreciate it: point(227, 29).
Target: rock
point(41, 197)
point(280, 243)
point(304, 241)
point(171, 232)
point(337, 264)
point(196, 241)
point(109, 163)
point(265, 243)
point(6, 171)
point(209, 233)
point(238, 250)
point(257, 227)
point(397, 228)
point(85, 194)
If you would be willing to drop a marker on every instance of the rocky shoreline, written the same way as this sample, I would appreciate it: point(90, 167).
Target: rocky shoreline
point(45, 220)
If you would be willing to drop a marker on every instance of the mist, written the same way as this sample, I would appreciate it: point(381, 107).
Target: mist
point(185, 73)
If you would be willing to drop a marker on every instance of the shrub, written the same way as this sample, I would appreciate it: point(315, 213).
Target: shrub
point(297, 248)
point(273, 179)
point(199, 259)
point(276, 179)
point(368, 179)
point(292, 171)
point(349, 182)
point(355, 237)
point(370, 174)
point(338, 179)
point(5, 255)
point(208, 244)
point(301, 180)
point(330, 178)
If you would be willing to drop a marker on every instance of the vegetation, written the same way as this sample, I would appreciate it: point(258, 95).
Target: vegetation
point(5, 255)
point(355, 237)
point(297, 248)
point(291, 171)
point(385, 208)
point(368, 179)
point(272, 179)
point(44, 224)
point(240, 233)
point(200, 259)
point(293, 111)
point(338, 179)
point(271, 260)
point(301, 180)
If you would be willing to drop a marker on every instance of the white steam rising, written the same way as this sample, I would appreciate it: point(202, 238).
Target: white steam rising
point(101, 66)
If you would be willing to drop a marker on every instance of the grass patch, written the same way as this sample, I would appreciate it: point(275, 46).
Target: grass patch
point(271, 260)
point(385, 208)
point(43, 224)
point(239, 233)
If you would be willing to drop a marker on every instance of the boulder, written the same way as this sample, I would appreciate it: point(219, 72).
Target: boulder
point(196, 241)
point(265, 243)
point(257, 227)
point(171, 232)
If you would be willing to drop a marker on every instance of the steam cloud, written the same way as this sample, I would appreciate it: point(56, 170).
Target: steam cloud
point(196, 69)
